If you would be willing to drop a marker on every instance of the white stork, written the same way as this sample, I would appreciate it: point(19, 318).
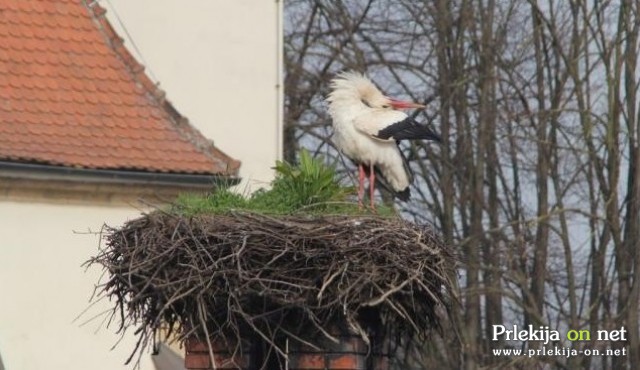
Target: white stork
point(368, 126)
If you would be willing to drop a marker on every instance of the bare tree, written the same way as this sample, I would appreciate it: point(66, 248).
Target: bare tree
point(537, 181)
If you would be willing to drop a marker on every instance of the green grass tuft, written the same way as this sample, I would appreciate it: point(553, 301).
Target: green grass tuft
point(309, 187)
point(221, 201)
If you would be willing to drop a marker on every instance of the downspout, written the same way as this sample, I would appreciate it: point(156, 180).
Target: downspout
point(279, 80)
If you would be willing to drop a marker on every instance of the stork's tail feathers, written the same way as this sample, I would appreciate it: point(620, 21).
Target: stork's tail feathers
point(403, 195)
point(381, 182)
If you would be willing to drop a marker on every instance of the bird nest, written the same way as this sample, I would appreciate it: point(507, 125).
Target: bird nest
point(245, 275)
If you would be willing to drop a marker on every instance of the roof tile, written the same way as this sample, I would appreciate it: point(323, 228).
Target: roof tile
point(71, 94)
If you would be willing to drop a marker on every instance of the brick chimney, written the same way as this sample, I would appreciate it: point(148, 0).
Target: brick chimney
point(350, 353)
point(225, 356)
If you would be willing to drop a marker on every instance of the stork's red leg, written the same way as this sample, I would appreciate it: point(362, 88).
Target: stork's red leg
point(372, 182)
point(361, 176)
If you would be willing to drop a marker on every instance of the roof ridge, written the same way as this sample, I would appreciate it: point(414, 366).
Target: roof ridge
point(137, 70)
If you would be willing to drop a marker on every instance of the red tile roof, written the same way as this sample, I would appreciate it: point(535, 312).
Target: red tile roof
point(72, 95)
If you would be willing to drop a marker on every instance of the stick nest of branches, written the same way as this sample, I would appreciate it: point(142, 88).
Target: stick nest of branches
point(246, 275)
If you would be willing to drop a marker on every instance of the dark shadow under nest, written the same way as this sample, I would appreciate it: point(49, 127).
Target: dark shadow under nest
point(246, 275)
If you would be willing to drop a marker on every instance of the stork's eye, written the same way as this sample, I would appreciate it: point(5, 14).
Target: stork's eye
point(365, 103)
point(385, 106)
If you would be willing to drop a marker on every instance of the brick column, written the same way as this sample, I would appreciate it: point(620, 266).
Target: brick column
point(349, 354)
point(197, 356)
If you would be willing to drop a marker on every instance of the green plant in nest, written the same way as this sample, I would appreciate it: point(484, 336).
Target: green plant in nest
point(310, 186)
point(220, 201)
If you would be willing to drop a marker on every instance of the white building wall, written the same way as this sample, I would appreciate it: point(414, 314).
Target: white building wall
point(43, 288)
point(219, 62)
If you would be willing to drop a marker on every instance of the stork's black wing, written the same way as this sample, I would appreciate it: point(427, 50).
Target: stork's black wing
point(408, 129)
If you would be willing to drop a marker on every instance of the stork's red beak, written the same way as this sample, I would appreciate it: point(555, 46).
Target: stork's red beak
point(400, 104)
